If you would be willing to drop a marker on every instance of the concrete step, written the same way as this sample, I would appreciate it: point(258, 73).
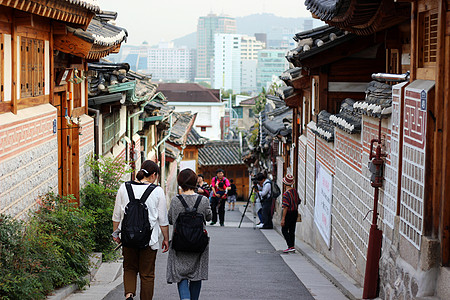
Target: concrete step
point(108, 272)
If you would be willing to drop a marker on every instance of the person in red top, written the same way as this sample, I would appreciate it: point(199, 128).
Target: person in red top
point(218, 202)
point(291, 200)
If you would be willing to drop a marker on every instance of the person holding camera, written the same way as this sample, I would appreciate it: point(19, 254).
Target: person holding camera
point(264, 190)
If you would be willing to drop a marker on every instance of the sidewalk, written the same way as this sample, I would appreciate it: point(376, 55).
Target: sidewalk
point(320, 277)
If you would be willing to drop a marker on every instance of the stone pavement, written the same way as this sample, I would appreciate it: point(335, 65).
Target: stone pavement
point(245, 263)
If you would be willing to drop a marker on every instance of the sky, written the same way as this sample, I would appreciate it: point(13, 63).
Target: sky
point(165, 20)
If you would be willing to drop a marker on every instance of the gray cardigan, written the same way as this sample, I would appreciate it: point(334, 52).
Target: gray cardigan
point(186, 265)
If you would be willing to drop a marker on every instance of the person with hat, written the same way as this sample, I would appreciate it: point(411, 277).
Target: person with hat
point(290, 203)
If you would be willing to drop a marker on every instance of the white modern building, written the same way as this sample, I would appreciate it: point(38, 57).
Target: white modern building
point(227, 62)
point(168, 63)
point(250, 47)
point(197, 99)
point(248, 75)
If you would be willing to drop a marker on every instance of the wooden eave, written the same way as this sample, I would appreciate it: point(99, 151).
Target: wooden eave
point(294, 100)
point(367, 17)
point(54, 9)
point(71, 44)
point(340, 51)
point(301, 82)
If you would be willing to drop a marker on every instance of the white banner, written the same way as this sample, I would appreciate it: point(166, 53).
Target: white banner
point(188, 164)
point(322, 208)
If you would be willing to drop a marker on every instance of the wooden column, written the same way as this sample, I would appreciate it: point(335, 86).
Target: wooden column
point(14, 65)
point(445, 192)
point(413, 51)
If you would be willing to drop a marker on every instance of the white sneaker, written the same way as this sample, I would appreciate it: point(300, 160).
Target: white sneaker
point(260, 225)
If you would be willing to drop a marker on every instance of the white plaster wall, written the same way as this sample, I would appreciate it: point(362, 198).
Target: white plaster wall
point(47, 67)
point(207, 115)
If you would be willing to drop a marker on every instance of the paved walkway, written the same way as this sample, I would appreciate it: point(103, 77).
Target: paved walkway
point(245, 263)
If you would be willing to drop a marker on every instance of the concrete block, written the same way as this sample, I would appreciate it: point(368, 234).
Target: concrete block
point(429, 253)
point(443, 283)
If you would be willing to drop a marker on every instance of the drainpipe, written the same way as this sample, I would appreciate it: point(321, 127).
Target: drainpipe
point(96, 120)
point(375, 235)
point(132, 150)
point(145, 145)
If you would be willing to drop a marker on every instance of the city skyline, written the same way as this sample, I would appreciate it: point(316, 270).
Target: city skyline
point(183, 16)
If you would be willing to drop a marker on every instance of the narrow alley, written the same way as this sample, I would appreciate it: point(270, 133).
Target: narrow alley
point(245, 263)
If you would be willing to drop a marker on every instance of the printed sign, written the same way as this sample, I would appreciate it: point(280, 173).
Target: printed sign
point(323, 201)
point(423, 100)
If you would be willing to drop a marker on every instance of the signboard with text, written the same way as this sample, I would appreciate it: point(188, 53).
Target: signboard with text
point(323, 201)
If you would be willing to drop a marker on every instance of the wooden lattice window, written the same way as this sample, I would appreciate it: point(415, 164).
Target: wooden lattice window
point(428, 37)
point(31, 67)
point(111, 129)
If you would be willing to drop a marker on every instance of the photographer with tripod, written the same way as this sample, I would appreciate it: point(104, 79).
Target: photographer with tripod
point(264, 190)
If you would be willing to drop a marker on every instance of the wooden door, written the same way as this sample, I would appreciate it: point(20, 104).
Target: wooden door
point(68, 153)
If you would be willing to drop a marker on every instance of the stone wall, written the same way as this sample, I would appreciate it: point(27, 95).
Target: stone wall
point(28, 158)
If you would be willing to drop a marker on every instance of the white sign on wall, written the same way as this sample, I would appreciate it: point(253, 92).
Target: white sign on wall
point(323, 200)
point(188, 164)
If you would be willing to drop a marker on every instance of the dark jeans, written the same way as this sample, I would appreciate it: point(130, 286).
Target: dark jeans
point(267, 214)
point(218, 206)
point(288, 229)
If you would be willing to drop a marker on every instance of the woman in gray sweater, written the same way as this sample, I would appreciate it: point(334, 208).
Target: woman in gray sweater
point(188, 269)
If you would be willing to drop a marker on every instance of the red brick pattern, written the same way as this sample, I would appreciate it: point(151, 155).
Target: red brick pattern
point(87, 133)
point(413, 169)
point(20, 136)
point(348, 150)
point(325, 155)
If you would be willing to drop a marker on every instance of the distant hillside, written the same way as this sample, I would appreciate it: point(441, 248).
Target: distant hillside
point(273, 25)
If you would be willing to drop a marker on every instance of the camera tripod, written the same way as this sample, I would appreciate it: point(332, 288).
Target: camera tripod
point(248, 203)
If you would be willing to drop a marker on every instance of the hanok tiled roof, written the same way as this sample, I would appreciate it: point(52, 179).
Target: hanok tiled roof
point(324, 128)
point(194, 138)
point(188, 92)
point(348, 118)
point(249, 101)
point(87, 4)
point(362, 17)
point(315, 41)
point(181, 128)
point(220, 153)
point(378, 100)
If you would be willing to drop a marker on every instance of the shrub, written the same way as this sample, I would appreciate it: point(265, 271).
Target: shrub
point(52, 250)
point(108, 171)
point(99, 203)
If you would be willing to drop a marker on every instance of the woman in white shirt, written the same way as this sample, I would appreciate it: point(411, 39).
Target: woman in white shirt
point(137, 260)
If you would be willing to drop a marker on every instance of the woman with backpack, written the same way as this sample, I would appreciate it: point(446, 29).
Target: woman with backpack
point(139, 246)
point(188, 268)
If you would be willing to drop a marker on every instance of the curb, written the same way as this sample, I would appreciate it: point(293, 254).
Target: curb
point(64, 292)
point(341, 280)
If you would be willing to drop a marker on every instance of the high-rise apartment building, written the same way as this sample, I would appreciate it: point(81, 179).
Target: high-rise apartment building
point(168, 63)
point(227, 62)
point(250, 47)
point(207, 27)
point(271, 63)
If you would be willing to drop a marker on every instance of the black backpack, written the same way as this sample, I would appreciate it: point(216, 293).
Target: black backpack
point(189, 234)
point(275, 191)
point(136, 231)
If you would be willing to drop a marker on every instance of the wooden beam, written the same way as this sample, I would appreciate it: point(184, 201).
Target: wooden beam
point(294, 100)
point(72, 45)
point(301, 82)
point(413, 53)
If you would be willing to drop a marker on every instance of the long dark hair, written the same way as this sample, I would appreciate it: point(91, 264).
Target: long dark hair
point(148, 168)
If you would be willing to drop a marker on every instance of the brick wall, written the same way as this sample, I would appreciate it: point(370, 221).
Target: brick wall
point(28, 158)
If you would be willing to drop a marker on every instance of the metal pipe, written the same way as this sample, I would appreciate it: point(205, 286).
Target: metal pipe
point(391, 77)
point(96, 120)
point(375, 234)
